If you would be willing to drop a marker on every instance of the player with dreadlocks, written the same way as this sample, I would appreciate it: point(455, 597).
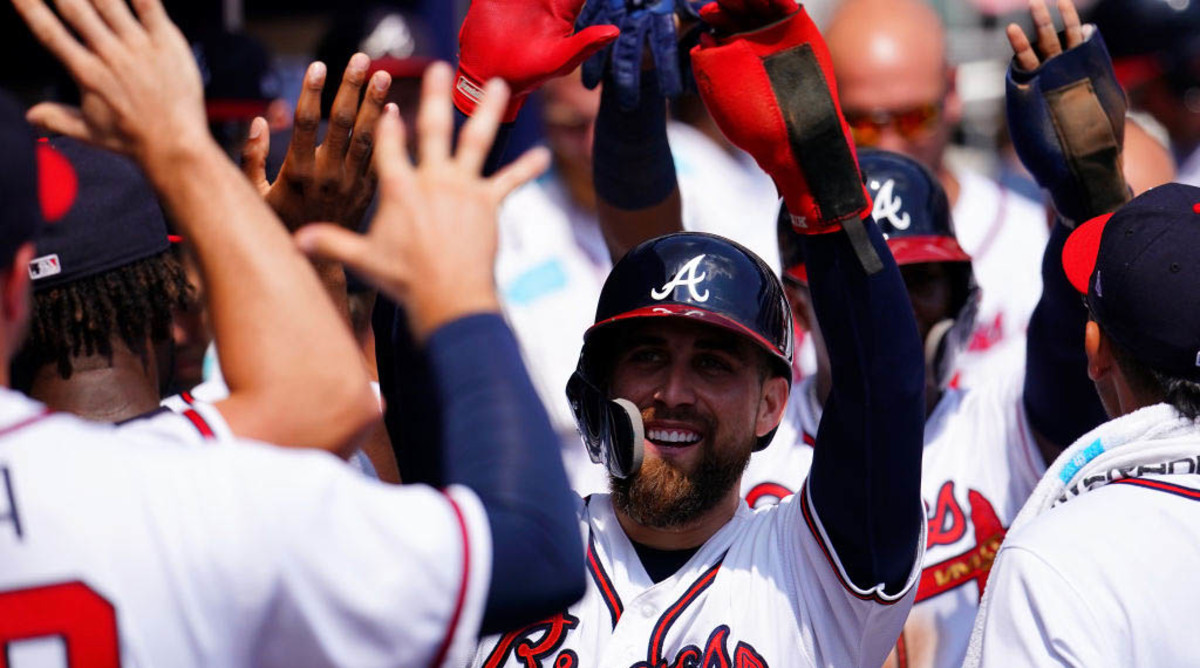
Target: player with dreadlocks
point(106, 287)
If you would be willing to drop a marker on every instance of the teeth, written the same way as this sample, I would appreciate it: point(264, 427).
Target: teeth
point(673, 436)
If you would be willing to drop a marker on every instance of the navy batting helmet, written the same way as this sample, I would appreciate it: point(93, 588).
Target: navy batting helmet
point(912, 211)
point(692, 275)
point(1151, 38)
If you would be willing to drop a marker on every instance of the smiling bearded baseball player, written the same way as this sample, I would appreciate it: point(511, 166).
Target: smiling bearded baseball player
point(117, 552)
point(687, 371)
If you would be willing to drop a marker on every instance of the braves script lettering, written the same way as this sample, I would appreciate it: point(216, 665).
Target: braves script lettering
point(887, 206)
point(686, 277)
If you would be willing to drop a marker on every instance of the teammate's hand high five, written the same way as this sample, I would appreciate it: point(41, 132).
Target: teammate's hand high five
point(432, 245)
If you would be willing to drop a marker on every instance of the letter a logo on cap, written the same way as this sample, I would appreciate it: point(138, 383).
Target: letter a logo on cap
point(686, 276)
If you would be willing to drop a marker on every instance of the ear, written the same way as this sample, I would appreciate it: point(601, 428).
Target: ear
point(15, 288)
point(952, 106)
point(798, 299)
point(771, 405)
point(1099, 353)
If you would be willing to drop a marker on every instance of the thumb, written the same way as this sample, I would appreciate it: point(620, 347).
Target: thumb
point(577, 48)
point(326, 241)
point(254, 154)
point(60, 119)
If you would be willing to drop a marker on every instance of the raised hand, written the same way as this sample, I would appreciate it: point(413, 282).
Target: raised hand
point(1048, 45)
point(139, 87)
point(432, 244)
point(331, 182)
point(650, 25)
point(524, 42)
point(1066, 114)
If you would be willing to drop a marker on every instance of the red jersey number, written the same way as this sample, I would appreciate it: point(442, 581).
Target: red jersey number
point(85, 621)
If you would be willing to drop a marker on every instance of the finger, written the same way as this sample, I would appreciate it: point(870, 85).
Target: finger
point(1022, 49)
point(254, 154)
point(532, 164)
point(116, 15)
point(60, 119)
point(357, 159)
point(307, 122)
point(1043, 23)
point(391, 155)
point(83, 19)
point(582, 45)
point(435, 120)
point(53, 35)
point(475, 140)
point(151, 14)
point(345, 108)
point(326, 241)
point(664, 46)
point(1071, 23)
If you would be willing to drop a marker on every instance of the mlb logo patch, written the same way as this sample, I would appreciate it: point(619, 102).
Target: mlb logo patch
point(44, 266)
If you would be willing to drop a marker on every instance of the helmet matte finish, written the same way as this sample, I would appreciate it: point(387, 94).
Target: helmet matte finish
point(703, 277)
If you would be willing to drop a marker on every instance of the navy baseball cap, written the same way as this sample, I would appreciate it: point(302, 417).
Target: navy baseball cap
point(1140, 270)
point(116, 220)
point(36, 183)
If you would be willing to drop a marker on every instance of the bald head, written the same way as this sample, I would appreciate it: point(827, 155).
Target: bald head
point(889, 58)
point(1147, 162)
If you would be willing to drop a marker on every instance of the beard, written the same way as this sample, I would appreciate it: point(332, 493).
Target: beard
point(663, 497)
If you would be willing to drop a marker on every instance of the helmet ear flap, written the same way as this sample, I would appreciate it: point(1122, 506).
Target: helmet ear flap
point(612, 430)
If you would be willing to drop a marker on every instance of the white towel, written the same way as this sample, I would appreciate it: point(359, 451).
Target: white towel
point(1154, 440)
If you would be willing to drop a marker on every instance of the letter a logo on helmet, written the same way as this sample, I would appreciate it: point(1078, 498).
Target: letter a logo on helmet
point(686, 277)
point(888, 205)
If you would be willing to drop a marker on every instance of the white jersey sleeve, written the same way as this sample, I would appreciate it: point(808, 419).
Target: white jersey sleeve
point(237, 554)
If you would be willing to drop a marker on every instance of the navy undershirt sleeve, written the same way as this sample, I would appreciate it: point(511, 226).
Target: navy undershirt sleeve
point(632, 166)
point(865, 480)
point(499, 442)
point(1060, 400)
point(411, 411)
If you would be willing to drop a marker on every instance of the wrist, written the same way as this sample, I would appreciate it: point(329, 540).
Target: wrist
point(430, 309)
point(468, 92)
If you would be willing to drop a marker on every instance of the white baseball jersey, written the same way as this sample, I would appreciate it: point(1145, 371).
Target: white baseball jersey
point(552, 263)
point(779, 470)
point(1101, 566)
point(192, 417)
point(1005, 234)
point(765, 590)
point(117, 552)
point(980, 463)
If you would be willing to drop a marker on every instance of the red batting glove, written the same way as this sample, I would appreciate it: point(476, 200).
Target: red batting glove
point(524, 42)
point(771, 91)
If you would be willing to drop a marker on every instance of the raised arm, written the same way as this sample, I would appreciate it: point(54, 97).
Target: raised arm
point(1066, 115)
point(547, 46)
point(431, 248)
point(141, 95)
point(637, 194)
point(866, 471)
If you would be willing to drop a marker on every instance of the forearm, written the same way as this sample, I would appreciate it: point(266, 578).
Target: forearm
point(499, 442)
point(865, 481)
point(412, 413)
point(1060, 399)
point(294, 373)
point(633, 171)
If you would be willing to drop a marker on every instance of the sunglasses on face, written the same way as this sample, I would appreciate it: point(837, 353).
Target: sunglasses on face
point(912, 124)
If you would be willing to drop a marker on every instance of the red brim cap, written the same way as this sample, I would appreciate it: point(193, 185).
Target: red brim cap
point(689, 311)
point(931, 248)
point(400, 68)
point(222, 111)
point(1080, 251)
